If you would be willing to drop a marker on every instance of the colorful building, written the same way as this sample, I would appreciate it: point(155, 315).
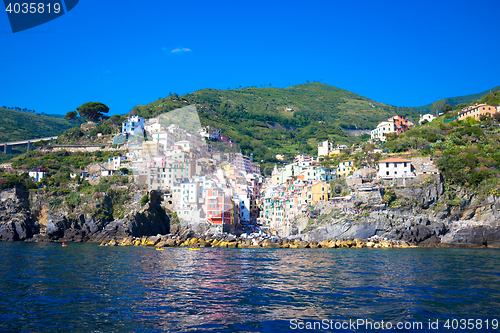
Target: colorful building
point(319, 192)
point(396, 124)
point(475, 111)
point(218, 207)
point(345, 168)
point(382, 129)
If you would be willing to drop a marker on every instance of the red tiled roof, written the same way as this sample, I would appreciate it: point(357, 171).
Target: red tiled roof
point(394, 160)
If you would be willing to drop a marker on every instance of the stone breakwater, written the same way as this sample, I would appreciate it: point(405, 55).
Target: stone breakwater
point(231, 241)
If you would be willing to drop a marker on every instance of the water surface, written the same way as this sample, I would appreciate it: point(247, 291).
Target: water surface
point(86, 288)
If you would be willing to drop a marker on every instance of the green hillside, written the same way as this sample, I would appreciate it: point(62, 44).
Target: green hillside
point(467, 152)
point(491, 99)
point(18, 125)
point(267, 121)
point(453, 101)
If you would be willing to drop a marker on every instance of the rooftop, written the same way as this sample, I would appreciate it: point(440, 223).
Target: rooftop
point(394, 160)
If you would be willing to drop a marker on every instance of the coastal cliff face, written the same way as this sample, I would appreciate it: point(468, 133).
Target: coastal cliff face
point(15, 218)
point(42, 223)
point(425, 215)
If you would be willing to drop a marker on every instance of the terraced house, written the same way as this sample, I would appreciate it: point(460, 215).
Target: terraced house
point(475, 111)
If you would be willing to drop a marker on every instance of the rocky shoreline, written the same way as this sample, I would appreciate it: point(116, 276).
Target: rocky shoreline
point(255, 241)
point(25, 217)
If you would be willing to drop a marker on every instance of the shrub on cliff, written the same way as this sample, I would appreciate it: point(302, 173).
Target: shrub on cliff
point(389, 196)
point(144, 200)
point(23, 180)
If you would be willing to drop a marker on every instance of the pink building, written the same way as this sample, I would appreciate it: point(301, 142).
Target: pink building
point(217, 207)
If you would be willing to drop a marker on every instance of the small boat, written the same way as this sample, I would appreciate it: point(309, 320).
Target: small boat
point(192, 249)
point(64, 245)
point(159, 249)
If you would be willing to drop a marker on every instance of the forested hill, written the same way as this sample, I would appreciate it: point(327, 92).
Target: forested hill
point(18, 125)
point(454, 101)
point(267, 121)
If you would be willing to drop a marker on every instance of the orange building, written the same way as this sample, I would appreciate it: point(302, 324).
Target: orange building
point(477, 110)
point(401, 123)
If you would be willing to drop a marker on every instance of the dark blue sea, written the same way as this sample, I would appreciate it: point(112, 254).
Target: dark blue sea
point(86, 288)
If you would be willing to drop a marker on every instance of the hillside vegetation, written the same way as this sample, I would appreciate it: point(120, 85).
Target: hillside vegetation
point(455, 101)
point(467, 152)
point(268, 121)
point(18, 125)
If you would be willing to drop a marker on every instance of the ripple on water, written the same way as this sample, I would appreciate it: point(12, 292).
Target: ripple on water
point(83, 287)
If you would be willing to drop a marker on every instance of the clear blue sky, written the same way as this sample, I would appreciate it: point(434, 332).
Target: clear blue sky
point(121, 53)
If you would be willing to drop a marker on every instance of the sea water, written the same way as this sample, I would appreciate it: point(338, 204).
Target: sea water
point(45, 287)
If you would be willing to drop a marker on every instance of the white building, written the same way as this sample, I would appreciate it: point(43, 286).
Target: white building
point(210, 133)
point(106, 173)
point(184, 144)
point(382, 129)
point(152, 126)
point(279, 176)
point(36, 175)
point(429, 117)
point(166, 138)
point(115, 162)
point(303, 160)
point(133, 126)
point(312, 173)
point(188, 194)
point(394, 168)
point(324, 148)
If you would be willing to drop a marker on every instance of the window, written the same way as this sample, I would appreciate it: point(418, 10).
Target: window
point(387, 165)
point(387, 173)
point(405, 164)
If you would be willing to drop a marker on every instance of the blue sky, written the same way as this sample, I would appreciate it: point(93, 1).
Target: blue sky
point(406, 53)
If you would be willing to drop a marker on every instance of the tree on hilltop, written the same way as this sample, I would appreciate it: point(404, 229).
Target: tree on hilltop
point(92, 110)
point(438, 106)
point(70, 115)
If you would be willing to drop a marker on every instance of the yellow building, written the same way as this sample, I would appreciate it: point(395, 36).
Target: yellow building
point(319, 192)
point(345, 168)
point(229, 168)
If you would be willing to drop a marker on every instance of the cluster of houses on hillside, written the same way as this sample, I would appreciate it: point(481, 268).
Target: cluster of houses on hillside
point(208, 180)
point(207, 177)
point(399, 124)
point(291, 190)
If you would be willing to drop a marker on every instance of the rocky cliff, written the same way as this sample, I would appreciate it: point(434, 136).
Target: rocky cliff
point(15, 217)
point(425, 214)
point(42, 223)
